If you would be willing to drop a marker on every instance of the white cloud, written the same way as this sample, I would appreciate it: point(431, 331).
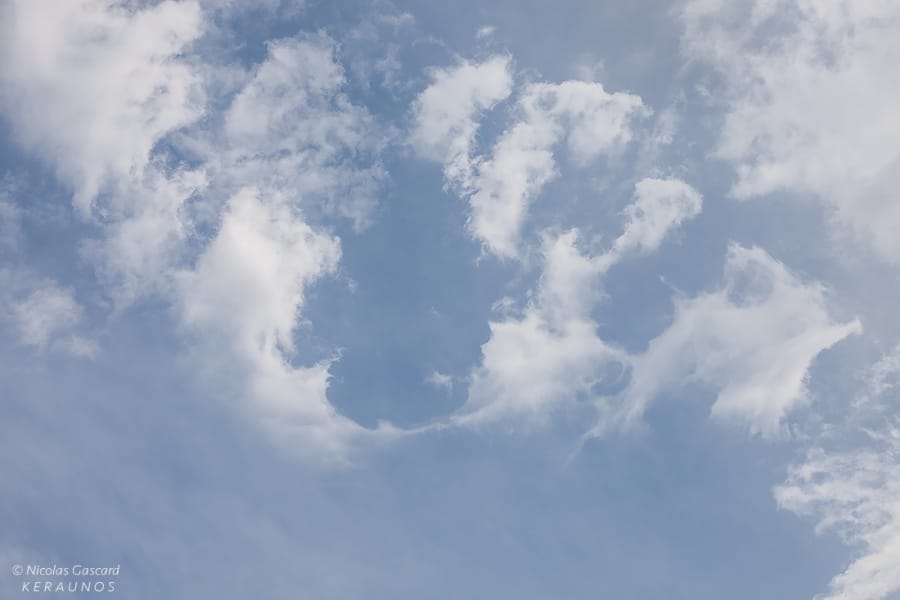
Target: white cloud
point(147, 236)
point(291, 130)
point(811, 94)
point(589, 120)
point(850, 482)
point(296, 140)
point(550, 357)
point(660, 205)
point(445, 113)
point(855, 492)
point(44, 314)
point(753, 340)
point(501, 186)
point(92, 85)
point(440, 380)
point(243, 301)
point(248, 284)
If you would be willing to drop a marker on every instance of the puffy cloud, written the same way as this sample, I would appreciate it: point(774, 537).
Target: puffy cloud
point(105, 92)
point(289, 131)
point(849, 480)
point(660, 205)
point(810, 97)
point(753, 340)
point(248, 284)
point(446, 112)
point(500, 187)
point(92, 85)
point(583, 115)
point(294, 136)
point(243, 301)
point(550, 356)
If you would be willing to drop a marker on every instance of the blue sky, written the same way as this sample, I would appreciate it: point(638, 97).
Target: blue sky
point(417, 300)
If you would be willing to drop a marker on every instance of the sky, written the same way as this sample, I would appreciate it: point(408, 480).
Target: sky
point(396, 299)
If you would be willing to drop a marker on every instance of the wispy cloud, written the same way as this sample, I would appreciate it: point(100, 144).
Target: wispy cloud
point(440, 380)
point(849, 481)
point(92, 86)
point(809, 96)
point(550, 357)
point(44, 315)
point(501, 185)
point(292, 131)
point(753, 339)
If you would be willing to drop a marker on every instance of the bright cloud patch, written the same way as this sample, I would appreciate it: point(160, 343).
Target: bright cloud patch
point(551, 356)
point(446, 113)
point(811, 92)
point(856, 493)
point(243, 301)
point(660, 205)
point(589, 120)
point(854, 488)
point(500, 186)
point(99, 89)
point(92, 85)
point(753, 340)
point(248, 284)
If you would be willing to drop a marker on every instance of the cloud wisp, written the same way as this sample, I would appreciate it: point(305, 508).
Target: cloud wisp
point(809, 94)
point(93, 86)
point(500, 186)
point(752, 340)
point(848, 480)
point(550, 357)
